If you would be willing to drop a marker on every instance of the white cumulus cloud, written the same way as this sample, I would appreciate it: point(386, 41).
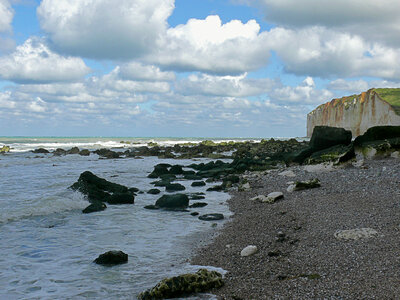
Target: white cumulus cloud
point(138, 71)
point(105, 29)
point(33, 62)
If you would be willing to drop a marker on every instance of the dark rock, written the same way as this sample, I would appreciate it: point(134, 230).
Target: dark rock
point(59, 152)
point(151, 207)
point(161, 182)
point(84, 152)
point(173, 201)
point(194, 214)
point(198, 204)
point(192, 177)
point(324, 137)
point(216, 188)
point(211, 217)
point(173, 187)
point(107, 153)
point(196, 197)
point(112, 258)
point(94, 207)
point(303, 185)
point(121, 198)
point(378, 133)
point(159, 169)
point(202, 281)
point(74, 150)
point(176, 170)
point(40, 151)
point(198, 183)
point(153, 191)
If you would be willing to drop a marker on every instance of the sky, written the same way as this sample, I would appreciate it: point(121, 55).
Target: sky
point(188, 68)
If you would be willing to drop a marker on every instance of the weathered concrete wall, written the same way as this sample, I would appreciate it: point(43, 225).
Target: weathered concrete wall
point(356, 114)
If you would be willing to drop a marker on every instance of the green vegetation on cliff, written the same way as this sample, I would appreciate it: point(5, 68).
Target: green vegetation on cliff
point(391, 96)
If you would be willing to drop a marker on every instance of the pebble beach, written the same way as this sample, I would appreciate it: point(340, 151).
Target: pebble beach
point(338, 241)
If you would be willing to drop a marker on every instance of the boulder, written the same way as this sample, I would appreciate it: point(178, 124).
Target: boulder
point(192, 177)
point(249, 250)
point(216, 188)
point(84, 152)
point(94, 207)
point(59, 152)
point(179, 286)
point(121, 198)
point(112, 258)
point(310, 184)
point(173, 187)
point(197, 197)
point(153, 191)
point(325, 137)
point(73, 150)
point(176, 170)
point(159, 169)
point(198, 183)
point(378, 133)
point(211, 217)
point(173, 201)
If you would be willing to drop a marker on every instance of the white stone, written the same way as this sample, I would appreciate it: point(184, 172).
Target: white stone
point(259, 198)
point(291, 188)
point(246, 186)
point(249, 250)
point(288, 173)
point(395, 154)
point(355, 234)
point(272, 197)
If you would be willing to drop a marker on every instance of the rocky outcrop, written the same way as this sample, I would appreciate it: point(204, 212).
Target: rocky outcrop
point(357, 113)
point(112, 258)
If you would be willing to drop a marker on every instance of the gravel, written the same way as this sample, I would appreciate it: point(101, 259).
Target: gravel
point(298, 255)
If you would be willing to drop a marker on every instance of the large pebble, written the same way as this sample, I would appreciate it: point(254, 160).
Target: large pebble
point(288, 173)
point(272, 197)
point(249, 250)
point(355, 234)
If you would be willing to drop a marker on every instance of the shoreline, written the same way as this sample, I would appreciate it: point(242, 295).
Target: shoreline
point(310, 262)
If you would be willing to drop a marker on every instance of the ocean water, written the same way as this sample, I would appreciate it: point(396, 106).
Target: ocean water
point(48, 246)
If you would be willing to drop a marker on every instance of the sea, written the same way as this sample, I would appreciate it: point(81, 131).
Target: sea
point(48, 245)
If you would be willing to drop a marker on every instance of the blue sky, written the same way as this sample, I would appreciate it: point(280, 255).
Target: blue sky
point(201, 68)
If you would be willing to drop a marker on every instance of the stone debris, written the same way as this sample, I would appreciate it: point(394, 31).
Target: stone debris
point(355, 234)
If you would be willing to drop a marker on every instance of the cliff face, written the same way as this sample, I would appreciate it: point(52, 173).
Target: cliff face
point(358, 112)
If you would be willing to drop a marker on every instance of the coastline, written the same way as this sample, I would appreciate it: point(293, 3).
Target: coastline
point(310, 262)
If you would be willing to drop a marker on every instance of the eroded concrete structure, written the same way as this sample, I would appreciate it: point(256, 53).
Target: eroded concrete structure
point(358, 112)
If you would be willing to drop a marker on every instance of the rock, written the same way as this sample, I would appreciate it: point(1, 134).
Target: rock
point(211, 217)
point(196, 197)
point(395, 154)
point(324, 137)
point(245, 187)
point(198, 204)
point(216, 188)
point(324, 167)
point(112, 258)
point(94, 207)
point(194, 214)
point(198, 183)
point(179, 286)
point(159, 169)
point(378, 133)
point(73, 150)
point(173, 201)
point(151, 207)
point(288, 173)
point(4, 149)
point(121, 198)
point(40, 151)
point(176, 170)
point(291, 188)
point(303, 185)
point(153, 191)
point(99, 189)
point(59, 152)
point(192, 177)
point(260, 198)
point(249, 250)
point(173, 187)
point(355, 234)
point(84, 152)
point(272, 197)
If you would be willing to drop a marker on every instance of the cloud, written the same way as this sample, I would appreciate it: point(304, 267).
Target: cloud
point(226, 86)
point(102, 29)
point(6, 16)
point(5, 100)
point(33, 62)
point(212, 47)
point(140, 72)
point(317, 51)
point(373, 20)
point(360, 85)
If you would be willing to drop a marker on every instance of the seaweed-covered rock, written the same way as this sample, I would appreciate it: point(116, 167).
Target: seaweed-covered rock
point(378, 133)
point(176, 170)
point(73, 150)
point(4, 149)
point(173, 187)
point(198, 204)
point(112, 258)
point(303, 185)
point(173, 201)
point(202, 281)
point(198, 183)
point(94, 207)
point(107, 153)
point(153, 191)
point(159, 170)
point(216, 188)
point(84, 152)
point(59, 152)
point(121, 198)
point(40, 151)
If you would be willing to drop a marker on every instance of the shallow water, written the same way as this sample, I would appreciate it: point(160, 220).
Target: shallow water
point(48, 245)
